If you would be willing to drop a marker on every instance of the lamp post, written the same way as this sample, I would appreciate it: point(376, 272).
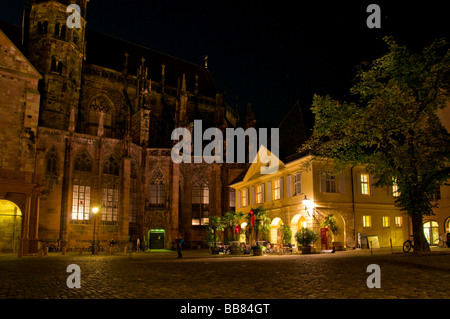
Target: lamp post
point(94, 210)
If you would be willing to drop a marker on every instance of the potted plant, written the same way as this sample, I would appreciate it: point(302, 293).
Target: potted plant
point(232, 220)
point(214, 225)
point(259, 223)
point(329, 222)
point(305, 238)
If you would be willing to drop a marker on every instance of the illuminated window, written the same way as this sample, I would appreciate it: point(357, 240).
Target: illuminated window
point(81, 190)
point(245, 197)
point(297, 183)
point(259, 197)
point(367, 221)
point(276, 189)
point(395, 191)
point(364, 180)
point(200, 201)
point(398, 221)
point(386, 221)
point(110, 191)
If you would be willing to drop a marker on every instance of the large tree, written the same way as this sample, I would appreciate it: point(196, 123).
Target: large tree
point(391, 125)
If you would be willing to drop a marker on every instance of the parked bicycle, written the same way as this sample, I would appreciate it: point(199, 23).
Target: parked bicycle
point(409, 244)
point(93, 247)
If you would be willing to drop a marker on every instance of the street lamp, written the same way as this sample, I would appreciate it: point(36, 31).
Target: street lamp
point(309, 206)
point(94, 210)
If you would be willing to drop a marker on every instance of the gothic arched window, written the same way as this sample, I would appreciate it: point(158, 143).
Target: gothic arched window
point(110, 191)
point(157, 188)
point(200, 200)
point(101, 107)
point(133, 194)
point(81, 199)
point(51, 163)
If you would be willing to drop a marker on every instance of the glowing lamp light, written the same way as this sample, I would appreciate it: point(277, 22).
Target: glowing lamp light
point(95, 210)
point(309, 206)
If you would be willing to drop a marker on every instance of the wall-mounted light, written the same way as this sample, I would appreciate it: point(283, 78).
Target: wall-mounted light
point(309, 206)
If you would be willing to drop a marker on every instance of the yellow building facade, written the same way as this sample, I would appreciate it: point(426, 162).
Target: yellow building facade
point(364, 214)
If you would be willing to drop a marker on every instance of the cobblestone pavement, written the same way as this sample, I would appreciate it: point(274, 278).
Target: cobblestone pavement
point(199, 275)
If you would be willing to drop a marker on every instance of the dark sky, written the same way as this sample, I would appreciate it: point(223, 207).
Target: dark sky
point(269, 53)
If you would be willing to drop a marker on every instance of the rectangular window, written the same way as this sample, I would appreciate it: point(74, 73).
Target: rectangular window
point(245, 197)
point(259, 198)
point(200, 204)
point(328, 183)
point(157, 194)
point(110, 198)
point(395, 191)
point(398, 221)
point(364, 180)
point(133, 200)
point(367, 221)
point(232, 199)
point(297, 183)
point(386, 221)
point(276, 189)
point(81, 199)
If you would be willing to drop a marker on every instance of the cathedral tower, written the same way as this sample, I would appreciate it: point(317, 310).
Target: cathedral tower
point(57, 49)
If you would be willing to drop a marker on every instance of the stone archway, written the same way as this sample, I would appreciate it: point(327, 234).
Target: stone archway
point(275, 231)
point(10, 227)
point(297, 222)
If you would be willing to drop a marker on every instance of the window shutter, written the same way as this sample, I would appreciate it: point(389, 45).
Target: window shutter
point(281, 188)
point(372, 186)
point(323, 183)
point(342, 183)
point(358, 183)
point(238, 199)
point(289, 186)
point(269, 191)
point(263, 192)
point(252, 195)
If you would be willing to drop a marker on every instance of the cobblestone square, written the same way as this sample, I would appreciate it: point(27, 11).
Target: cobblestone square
point(200, 275)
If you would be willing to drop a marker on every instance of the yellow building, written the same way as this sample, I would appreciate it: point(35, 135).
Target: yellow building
point(360, 209)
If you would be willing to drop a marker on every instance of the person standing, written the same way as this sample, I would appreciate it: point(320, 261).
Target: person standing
point(179, 242)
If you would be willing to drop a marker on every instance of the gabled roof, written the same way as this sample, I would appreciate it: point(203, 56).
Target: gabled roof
point(259, 168)
point(16, 64)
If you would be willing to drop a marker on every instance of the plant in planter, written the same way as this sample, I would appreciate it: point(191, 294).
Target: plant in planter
point(330, 223)
point(305, 238)
point(232, 220)
point(258, 223)
point(214, 225)
point(286, 234)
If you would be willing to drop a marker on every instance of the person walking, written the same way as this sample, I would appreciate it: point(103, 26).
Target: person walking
point(179, 242)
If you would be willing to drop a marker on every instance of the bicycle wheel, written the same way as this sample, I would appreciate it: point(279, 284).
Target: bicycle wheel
point(407, 245)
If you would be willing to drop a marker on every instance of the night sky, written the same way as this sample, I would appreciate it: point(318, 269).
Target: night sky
point(269, 53)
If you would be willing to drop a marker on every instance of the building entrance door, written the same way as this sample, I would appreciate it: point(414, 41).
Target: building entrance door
point(156, 238)
point(10, 227)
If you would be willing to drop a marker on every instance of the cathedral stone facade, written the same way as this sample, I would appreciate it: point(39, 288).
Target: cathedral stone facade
point(86, 122)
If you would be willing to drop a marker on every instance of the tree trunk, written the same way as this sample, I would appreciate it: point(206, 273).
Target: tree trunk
point(420, 242)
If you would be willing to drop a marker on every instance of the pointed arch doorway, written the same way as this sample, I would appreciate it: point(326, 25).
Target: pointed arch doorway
point(10, 227)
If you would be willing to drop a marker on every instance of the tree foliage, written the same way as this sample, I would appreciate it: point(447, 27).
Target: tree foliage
point(391, 125)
